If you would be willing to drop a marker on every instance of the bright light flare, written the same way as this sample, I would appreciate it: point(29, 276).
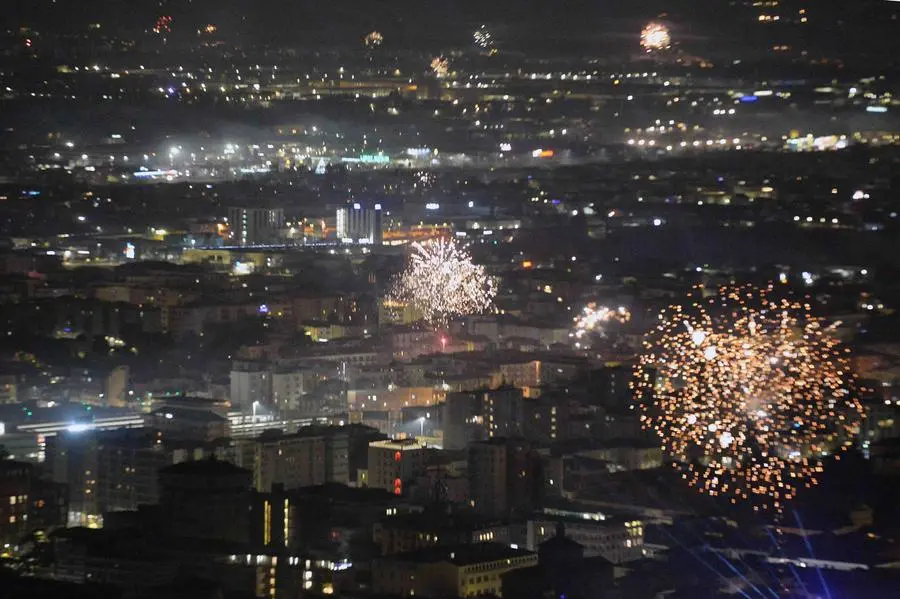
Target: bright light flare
point(747, 393)
point(655, 37)
point(441, 282)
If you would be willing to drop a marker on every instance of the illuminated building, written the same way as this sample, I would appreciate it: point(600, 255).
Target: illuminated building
point(393, 464)
point(8, 389)
point(455, 571)
point(359, 225)
point(291, 461)
point(505, 477)
point(615, 538)
point(255, 226)
point(27, 503)
point(188, 424)
point(251, 383)
point(399, 533)
point(71, 459)
point(402, 235)
point(236, 261)
point(563, 570)
point(478, 415)
point(394, 398)
point(116, 387)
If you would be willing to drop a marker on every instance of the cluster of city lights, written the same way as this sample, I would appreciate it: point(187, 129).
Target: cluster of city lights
point(655, 37)
point(593, 318)
point(747, 393)
point(440, 281)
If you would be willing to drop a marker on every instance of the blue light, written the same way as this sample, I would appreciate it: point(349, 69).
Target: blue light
point(748, 99)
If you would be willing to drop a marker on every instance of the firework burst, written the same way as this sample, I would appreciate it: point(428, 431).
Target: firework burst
point(746, 394)
point(593, 318)
point(441, 282)
point(373, 39)
point(163, 25)
point(655, 37)
point(440, 66)
point(483, 38)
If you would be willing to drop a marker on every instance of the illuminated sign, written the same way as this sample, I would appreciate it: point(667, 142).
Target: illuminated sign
point(374, 159)
point(149, 174)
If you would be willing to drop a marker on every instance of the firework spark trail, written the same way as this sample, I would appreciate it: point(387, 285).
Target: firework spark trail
point(441, 282)
point(746, 393)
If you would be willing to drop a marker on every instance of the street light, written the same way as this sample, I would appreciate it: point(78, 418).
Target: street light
point(253, 407)
point(422, 420)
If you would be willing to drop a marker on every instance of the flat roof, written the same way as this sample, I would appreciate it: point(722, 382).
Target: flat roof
point(462, 555)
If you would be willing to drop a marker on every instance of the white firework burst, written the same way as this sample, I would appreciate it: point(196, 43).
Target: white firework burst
point(441, 282)
point(593, 317)
point(655, 37)
point(483, 38)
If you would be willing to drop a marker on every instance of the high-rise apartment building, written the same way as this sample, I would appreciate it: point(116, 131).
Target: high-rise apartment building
point(251, 382)
point(356, 224)
point(392, 464)
point(291, 461)
point(287, 390)
point(470, 416)
point(505, 477)
point(255, 226)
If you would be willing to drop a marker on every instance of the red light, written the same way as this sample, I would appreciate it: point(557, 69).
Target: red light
point(398, 456)
point(398, 486)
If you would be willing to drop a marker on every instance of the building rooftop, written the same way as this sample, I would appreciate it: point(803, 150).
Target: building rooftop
point(462, 555)
point(174, 413)
point(204, 468)
point(398, 444)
